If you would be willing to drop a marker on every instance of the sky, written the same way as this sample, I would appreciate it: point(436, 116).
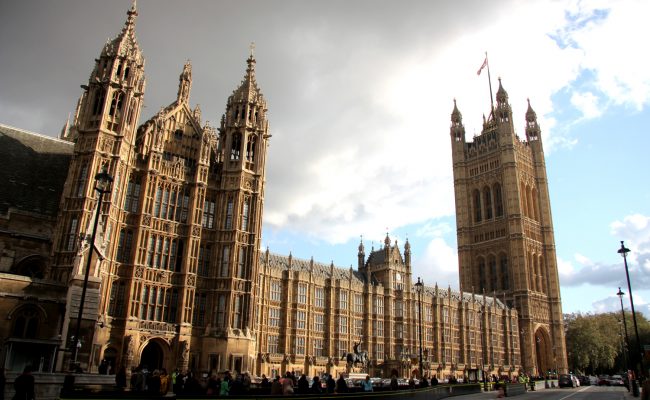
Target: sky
point(360, 95)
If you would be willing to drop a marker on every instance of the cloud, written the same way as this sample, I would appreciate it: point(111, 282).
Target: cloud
point(613, 304)
point(635, 229)
point(587, 103)
point(438, 264)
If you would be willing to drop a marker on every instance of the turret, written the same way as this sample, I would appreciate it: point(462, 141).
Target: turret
point(184, 84)
point(532, 127)
point(457, 130)
point(361, 255)
point(503, 109)
point(407, 254)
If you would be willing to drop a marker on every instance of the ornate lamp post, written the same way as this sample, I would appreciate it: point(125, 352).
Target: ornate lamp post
point(635, 387)
point(102, 185)
point(419, 286)
point(630, 364)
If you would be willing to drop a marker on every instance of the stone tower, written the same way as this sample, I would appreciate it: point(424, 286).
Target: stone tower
point(103, 131)
point(239, 194)
point(505, 229)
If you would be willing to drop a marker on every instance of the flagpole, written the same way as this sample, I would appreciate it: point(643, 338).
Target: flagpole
point(487, 62)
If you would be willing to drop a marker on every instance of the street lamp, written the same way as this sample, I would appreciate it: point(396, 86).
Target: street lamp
point(419, 286)
point(623, 252)
point(483, 355)
point(630, 364)
point(102, 185)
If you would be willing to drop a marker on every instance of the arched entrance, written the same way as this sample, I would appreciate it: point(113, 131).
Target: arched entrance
point(543, 355)
point(152, 356)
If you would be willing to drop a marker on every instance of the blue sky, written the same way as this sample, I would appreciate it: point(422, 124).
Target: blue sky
point(360, 95)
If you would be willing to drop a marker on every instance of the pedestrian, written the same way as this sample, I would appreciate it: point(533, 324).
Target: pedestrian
point(246, 382)
point(424, 382)
point(164, 382)
point(393, 382)
point(120, 379)
point(341, 385)
point(330, 383)
point(434, 381)
point(316, 387)
point(367, 384)
point(224, 390)
point(24, 385)
point(303, 384)
point(287, 384)
point(276, 386)
point(645, 388)
point(412, 383)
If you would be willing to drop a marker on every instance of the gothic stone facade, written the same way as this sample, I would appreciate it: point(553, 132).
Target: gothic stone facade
point(506, 245)
point(177, 279)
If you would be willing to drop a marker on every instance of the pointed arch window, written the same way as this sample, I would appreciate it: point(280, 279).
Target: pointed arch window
point(221, 311)
point(71, 237)
point(26, 323)
point(493, 282)
point(244, 214)
point(482, 278)
point(250, 149)
point(487, 197)
point(477, 205)
point(505, 276)
point(229, 214)
point(98, 105)
point(81, 182)
point(116, 105)
point(498, 200)
point(235, 147)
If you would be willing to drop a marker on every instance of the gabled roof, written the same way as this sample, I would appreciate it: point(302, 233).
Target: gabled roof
point(34, 170)
point(286, 263)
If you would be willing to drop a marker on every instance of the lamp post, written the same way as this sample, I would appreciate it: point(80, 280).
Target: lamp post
point(102, 186)
point(419, 286)
point(483, 355)
point(623, 252)
point(630, 364)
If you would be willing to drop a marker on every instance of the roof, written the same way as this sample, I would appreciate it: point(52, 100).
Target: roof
point(34, 171)
point(323, 270)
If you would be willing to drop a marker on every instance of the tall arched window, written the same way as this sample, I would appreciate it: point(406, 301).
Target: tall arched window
point(98, 105)
point(524, 200)
point(505, 276)
point(542, 276)
point(26, 323)
point(235, 147)
point(493, 282)
point(482, 278)
point(535, 209)
point(477, 205)
point(487, 199)
point(250, 149)
point(498, 200)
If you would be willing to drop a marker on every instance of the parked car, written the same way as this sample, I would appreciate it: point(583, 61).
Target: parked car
point(566, 380)
point(584, 380)
point(576, 381)
point(603, 380)
point(616, 380)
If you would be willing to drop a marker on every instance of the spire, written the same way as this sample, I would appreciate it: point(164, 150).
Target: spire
point(533, 131)
point(502, 95)
point(457, 130)
point(184, 83)
point(387, 240)
point(456, 116)
point(66, 128)
point(125, 43)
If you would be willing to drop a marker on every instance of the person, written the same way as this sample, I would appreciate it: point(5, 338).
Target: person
point(120, 379)
point(412, 383)
point(393, 382)
point(266, 385)
point(287, 384)
point(164, 382)
point(3, 382)
point(330, 383)
point(224, 390)
point(645, 388)
point(276, 386)
point(246, 382)
point(303, 384)
point(434, 381)
point(499, 387)
point(213, 384)
point(316, 386)
point(153, 383)
point(424, 382)
point(367, 384)
point(24, 385)
point(341, 385)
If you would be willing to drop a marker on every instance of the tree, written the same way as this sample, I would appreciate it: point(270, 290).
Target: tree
point(595, 341)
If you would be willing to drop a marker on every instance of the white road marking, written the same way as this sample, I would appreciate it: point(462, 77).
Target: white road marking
point(583, 389)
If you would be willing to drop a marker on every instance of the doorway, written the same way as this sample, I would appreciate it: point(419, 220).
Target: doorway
point(152, 356)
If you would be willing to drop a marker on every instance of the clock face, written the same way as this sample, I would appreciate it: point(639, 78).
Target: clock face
point(398, 276)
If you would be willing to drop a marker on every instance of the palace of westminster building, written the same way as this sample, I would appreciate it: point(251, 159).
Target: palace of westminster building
point(177, 278)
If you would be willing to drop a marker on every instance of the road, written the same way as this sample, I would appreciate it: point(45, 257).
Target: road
point(580, 393)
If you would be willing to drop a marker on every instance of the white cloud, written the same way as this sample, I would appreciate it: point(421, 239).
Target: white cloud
point(587, 103)
point(438, 264)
